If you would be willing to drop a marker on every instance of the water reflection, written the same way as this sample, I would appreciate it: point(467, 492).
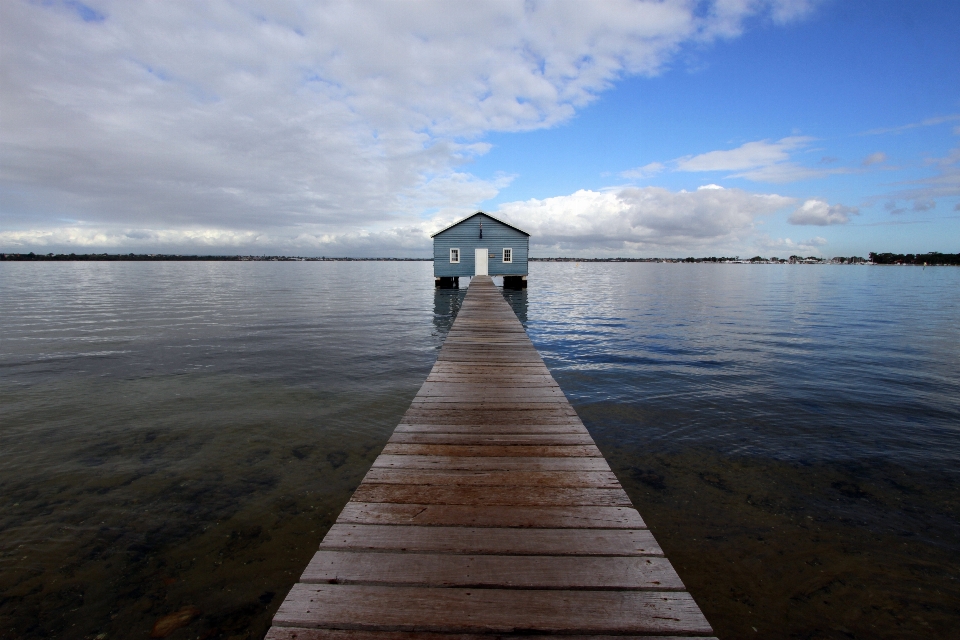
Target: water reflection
point(446, 304)
point(517, 299)
point(783, 361)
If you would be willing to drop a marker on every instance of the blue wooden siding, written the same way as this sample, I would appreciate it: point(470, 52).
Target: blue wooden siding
point(466, 237)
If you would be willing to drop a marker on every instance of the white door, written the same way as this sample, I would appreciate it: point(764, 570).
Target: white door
point(480, 262)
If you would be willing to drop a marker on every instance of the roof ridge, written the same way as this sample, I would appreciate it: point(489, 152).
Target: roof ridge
point(478, 213)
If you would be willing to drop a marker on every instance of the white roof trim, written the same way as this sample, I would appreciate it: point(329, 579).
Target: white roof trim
point(450, 226)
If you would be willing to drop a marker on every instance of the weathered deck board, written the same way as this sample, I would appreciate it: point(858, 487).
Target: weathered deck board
point(403, 476)
point(427, 515)
point(300, 633)
point(489, 512)
point(530, 451)
point(505, 439)
point(498, 540)
point(491, 463)
point(507, 496)
point(518, 429)
point(469, 610)
point(519, 572)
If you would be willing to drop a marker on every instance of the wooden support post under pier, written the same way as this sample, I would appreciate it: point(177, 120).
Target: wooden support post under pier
point(445, 282)
point(514, 282)
point(490, 512)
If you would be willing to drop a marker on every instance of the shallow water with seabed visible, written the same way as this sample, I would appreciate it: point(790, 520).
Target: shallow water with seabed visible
point(177, 437)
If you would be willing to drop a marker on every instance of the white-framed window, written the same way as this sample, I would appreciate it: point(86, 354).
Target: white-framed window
point(508, 255)
point(455, 256)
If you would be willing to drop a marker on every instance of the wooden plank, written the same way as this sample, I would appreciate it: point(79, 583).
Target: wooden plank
point(517, 352)
point(480, 393)
point(491, 404)
point(487, 333)
point(455, 374)
point(490, 344)
point(516, 382)
point(571, 427)
point(300, 633)
point(518, 572)
point(488, 402)
point(500, 378)
point(483, 338)
point(468, 356)
point(543, 414)
point(492, 540)
point(516, 478)
point(484, 439)
point(451, 367)
point(487, 516)
point(486, 342)
point(492, 380)
point(458, 610)
point(547, 404)
point(490, 418)
point(528, 451)
point(489, 360)
point(491, 463)
point(532, 496)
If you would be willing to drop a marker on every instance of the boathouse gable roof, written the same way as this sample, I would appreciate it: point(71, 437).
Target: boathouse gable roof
point(480, 213)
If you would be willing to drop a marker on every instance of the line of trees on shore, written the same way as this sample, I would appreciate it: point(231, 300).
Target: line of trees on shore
point(932, 258)
point(163, 257)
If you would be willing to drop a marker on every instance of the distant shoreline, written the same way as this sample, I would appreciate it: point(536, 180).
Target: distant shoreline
point(919, 259)
point(162, 257)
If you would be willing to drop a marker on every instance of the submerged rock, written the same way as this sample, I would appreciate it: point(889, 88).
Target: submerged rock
point(173, 621)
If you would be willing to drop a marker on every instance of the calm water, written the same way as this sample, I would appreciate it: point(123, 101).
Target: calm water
point(182, 434)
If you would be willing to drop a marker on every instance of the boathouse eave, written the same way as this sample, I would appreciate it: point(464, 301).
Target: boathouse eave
point(480, 213)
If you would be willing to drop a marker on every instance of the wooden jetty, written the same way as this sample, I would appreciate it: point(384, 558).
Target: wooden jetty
point(490, 512)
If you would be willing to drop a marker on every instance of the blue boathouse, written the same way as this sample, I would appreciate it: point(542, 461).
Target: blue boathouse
point(480, 245)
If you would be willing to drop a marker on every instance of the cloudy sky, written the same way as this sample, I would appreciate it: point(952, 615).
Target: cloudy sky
point(622, 127)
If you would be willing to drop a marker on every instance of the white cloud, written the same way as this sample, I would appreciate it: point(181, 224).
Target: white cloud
point(750, 155)
point(626, 221)
point(786, 11)
point(283, 118)
point(648, 219)
point(759, 161)
point(80, 238)
point(786, 246)
point(820, 213)
point(945, 183)
point(874, 158)
point(407, 241)
point(891, 206)
point(788, 172)
point(726, 14)
point(645, 171)
point(928, 122)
